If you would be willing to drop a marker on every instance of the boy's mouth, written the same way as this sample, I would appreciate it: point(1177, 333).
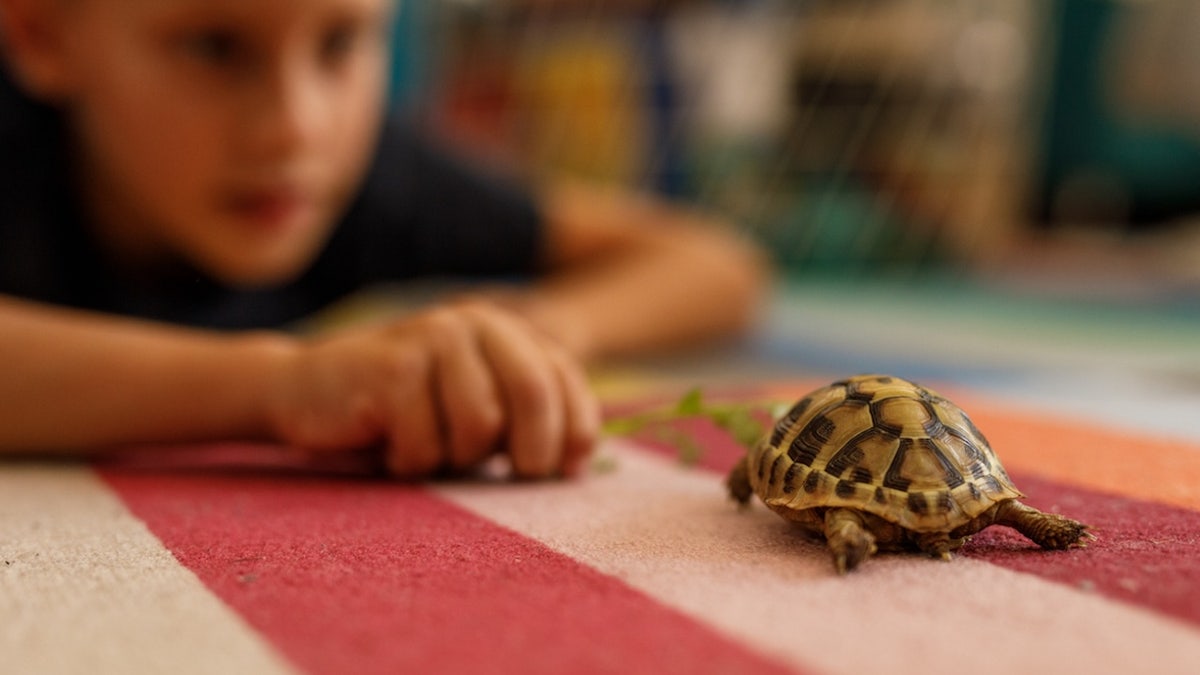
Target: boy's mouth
point(271, 210)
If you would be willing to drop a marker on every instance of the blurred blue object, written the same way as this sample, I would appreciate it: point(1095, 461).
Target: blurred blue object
point(412, 53)
point(1098, 164)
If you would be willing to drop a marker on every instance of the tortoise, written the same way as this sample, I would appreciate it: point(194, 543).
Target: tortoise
point(877, 462)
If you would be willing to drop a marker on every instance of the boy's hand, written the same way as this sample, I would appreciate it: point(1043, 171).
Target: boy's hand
point(447, 387)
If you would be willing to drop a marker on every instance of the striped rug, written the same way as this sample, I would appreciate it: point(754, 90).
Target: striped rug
point(229, 560)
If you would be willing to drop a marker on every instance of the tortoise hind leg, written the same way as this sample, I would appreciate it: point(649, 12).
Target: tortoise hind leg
point(739, 482)
point(1048, 530)
point(847, 538)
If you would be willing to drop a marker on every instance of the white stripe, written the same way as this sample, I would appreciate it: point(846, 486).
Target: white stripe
point(672, 533)
point(86, 588)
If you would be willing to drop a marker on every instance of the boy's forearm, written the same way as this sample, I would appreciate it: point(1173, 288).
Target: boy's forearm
point(636, 275)
point(688, 295)
point(78, 382)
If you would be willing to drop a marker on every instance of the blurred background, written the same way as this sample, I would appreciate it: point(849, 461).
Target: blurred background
point(1045, 142)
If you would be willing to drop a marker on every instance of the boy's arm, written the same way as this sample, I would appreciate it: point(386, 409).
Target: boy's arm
point(630, 274)
point(447, 386)
point(444, 387)
point(76, 380)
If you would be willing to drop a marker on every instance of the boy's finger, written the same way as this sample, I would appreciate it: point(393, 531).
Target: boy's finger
point(582, 410)
point(531, 392)
point(470, 406)
point(415, 447)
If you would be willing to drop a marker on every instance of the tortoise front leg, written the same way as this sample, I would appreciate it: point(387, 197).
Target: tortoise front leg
point(1048, 530)
point(847, 538)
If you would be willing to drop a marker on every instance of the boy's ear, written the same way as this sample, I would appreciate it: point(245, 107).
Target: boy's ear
point(33, 44)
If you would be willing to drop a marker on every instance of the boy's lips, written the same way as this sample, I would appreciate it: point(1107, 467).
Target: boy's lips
point(271, 209)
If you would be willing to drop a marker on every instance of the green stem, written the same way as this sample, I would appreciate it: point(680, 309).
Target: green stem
point(742, 421)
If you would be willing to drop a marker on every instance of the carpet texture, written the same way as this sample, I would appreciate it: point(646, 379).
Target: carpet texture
point(232, 561)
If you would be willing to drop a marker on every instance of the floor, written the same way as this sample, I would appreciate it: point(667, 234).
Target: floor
point(231, 559)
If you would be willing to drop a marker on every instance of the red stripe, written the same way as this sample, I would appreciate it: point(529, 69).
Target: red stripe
point(1146, 554)
point(370, 577)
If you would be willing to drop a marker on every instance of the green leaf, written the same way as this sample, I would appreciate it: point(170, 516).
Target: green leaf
point(624, 426)
point(691, 404)
point(744, 427)
point(690, 452)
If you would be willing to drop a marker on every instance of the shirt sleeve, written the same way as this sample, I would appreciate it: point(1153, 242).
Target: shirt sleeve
point(423, 212)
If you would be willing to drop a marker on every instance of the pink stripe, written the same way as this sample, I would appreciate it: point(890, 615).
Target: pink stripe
point(1146, 554)
point(370, 577)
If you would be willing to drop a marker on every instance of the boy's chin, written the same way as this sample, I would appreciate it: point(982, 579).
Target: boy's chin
point(256, 272)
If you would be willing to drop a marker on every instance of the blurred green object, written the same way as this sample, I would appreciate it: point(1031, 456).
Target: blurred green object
point(745, 422)
point(841, 230)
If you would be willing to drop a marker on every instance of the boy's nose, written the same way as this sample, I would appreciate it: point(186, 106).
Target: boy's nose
point(288, 113)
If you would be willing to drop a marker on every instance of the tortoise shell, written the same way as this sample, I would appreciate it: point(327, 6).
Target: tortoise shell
point(882, 445)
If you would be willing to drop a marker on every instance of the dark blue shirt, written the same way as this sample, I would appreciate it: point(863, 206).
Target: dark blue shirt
point(420, 213)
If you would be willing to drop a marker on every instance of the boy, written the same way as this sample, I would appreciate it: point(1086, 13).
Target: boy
point(192, 165)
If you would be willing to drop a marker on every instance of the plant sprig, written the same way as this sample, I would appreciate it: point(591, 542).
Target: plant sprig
point(743, 421)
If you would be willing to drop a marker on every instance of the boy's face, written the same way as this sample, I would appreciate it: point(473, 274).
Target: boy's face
point(231, 133)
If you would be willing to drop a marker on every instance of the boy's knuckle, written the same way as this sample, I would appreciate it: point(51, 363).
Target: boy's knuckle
point(532, 392)
point(444, 322)
point(475, 437)
point(582, 435)
point(403, 363)
point(491, 413)
point(486, 423)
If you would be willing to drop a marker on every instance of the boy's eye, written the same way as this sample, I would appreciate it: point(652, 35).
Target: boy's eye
point(338, 42)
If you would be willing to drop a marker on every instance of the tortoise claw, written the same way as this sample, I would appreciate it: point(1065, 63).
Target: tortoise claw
point(847, 539)
point(1084, 538)
point(847, 558)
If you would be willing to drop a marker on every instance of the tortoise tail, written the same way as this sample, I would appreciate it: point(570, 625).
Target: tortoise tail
point(738, 482)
